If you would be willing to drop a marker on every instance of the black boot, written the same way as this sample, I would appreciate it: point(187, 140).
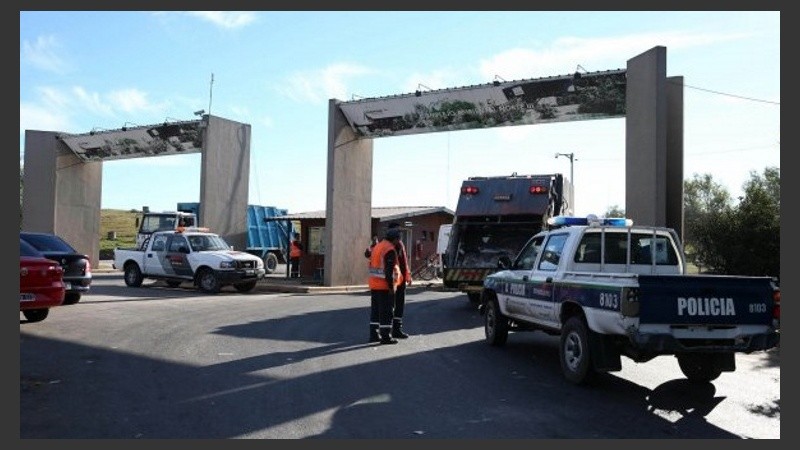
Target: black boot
point(385, 338)
point(374, 336)
point(397, 330)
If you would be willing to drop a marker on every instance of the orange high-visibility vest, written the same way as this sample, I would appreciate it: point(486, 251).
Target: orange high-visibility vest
point(377, 277)
point(294, 250)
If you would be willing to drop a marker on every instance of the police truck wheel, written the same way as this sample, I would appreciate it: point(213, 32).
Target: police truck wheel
point(246, 287)
point(133, 276)
point(208, 282)
point(574, 354)
point(699, 367)
point(270, 263)
point(495, 324)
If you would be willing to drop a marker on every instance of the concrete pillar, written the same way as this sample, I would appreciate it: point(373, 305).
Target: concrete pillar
point(675, 154)
point(646, 138)
point(349, 202)
point(61, 193)
point(225, 178)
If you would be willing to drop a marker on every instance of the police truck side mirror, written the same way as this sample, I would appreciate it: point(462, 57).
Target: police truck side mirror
point(504, 262)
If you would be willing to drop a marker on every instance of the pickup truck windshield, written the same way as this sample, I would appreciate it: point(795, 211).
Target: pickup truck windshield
point(200, 243)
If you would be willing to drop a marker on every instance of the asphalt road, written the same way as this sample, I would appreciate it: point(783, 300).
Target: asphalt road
point(156, 362)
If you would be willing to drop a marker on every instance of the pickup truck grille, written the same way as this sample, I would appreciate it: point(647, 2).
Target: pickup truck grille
point(245, 264)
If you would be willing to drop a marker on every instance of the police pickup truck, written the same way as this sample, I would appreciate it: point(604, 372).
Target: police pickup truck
point(190, 254)
point(609, 288)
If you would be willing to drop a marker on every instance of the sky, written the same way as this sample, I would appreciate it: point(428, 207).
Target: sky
point(277, 71)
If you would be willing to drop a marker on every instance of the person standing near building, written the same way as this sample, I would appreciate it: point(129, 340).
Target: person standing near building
point(295, 252)
point(384, 277)
point(400, 294)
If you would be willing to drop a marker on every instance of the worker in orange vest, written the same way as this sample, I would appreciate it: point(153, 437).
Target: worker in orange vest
point(384, 277)
point(295, 252)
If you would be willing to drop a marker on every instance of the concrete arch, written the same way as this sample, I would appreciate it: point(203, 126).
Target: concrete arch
point(62, 188)
point(653, 159)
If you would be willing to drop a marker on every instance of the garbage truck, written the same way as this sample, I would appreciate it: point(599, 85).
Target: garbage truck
point(267, 237)
point(494, 218)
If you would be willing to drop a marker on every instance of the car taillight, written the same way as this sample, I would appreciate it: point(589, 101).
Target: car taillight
point(776, 304)
point(537, 190)
point(88, 269)
point(53, 272)
point(469, 190)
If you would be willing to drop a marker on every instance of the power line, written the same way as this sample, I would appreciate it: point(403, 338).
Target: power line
point(718, 92)
point(726, 94)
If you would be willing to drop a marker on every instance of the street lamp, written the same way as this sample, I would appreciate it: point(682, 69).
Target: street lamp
point(572, 158)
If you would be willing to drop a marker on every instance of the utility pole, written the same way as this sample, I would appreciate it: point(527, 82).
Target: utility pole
point(572, 159)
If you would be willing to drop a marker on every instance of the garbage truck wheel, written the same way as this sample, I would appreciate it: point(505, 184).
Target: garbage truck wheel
point(270, 262)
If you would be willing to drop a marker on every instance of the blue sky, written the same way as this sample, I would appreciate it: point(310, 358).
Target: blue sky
point(277, 70)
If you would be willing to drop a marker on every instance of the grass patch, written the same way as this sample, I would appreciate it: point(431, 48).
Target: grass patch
point(122, 223)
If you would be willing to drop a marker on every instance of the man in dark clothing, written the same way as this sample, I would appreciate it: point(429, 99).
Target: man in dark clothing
point(384, 276)
point(295, 252)
point(400, 293)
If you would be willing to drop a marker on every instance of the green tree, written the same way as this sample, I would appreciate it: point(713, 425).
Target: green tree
point(615, 211)
point(758, 219)
point(704, 203)
point(732, 239)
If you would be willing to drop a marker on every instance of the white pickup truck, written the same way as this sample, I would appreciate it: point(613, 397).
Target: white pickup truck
point(190, 254)
point(609, 288)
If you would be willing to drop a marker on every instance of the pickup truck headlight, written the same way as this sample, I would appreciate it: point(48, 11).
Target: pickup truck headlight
point(227, 264)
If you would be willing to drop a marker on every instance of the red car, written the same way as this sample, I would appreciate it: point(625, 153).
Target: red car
point(41, 283)
point(77, 269)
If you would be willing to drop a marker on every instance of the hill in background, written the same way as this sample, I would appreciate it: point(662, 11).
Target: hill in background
point(117, 229)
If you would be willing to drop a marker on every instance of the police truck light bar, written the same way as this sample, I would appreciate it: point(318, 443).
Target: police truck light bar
point(563, 221)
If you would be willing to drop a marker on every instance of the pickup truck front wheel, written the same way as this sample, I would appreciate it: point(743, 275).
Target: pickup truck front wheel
point(699, 367)
point(208, 282)
point(495, 324)
point(133, 275)
point(576, 361)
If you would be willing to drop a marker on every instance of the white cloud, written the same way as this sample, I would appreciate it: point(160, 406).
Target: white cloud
point(43, 53)
point(226, 19)
point(65, 109)
point(39, 117)
point(593, 54)
point(315, 86)
point(92, 101)
point(128, 100)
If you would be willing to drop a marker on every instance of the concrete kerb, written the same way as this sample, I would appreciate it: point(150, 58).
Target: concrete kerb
point(280, 284)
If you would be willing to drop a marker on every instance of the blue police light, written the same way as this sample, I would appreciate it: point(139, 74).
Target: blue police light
point(591, 219)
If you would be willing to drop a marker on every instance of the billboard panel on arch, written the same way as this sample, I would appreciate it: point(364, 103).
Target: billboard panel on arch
point(583, 96)
point(169, 138)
